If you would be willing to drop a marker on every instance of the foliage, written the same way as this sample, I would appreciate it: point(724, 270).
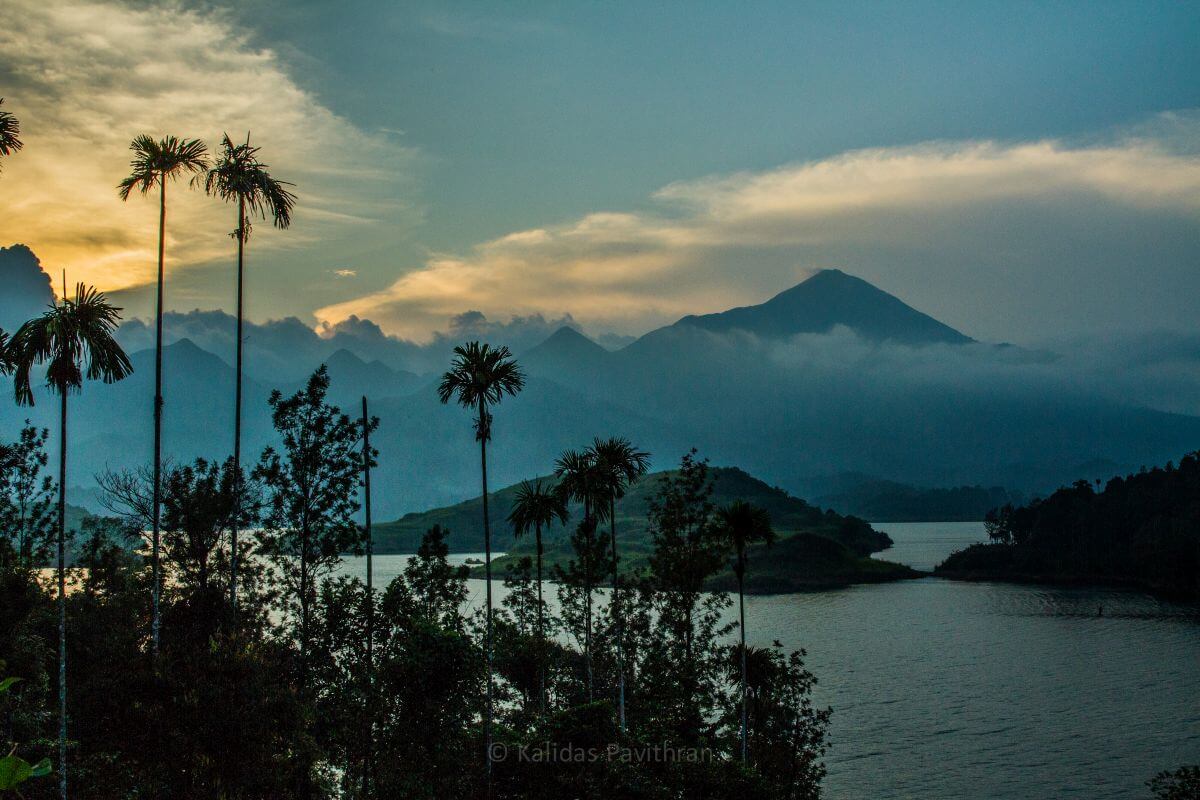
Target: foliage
point(1139, 530)
point(73, 338)
point(26, 498)
point(15, 770)
point(310, 498)
point(156, 161)
point(238, 176)
point(10, 132)
point(1182, 784)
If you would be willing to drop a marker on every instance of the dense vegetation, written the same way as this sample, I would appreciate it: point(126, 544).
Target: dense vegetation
point(817, 548)
point(1142, 531)
point(314, 688)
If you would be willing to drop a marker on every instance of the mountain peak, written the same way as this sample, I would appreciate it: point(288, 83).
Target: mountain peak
point(563, 351)
point(825, 300)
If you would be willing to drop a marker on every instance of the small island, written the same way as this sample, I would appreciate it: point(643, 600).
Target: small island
point(816, 549)
point(1138, 532)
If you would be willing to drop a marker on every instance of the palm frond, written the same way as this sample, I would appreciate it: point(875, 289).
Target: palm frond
point(73, 339)
point(536, 506)
point(480, 375)
point(155, 161)
point(238, 175)
point(10, 132)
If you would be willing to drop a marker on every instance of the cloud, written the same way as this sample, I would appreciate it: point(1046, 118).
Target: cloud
point(85, 76)
point(346, 273)
point(1052, 211)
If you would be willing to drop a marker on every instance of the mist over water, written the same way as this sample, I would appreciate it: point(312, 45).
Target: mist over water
point(943, 689)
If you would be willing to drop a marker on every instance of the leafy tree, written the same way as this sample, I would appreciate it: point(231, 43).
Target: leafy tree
point(10, 132)
point(740, 525)
point(681, 667)
point(310, 501)
point(73, 339)
point(537, 506)
point(1182, 784)
point(155, 163)
point(15, 770)
point(27, 496)
point(787, 733)
point(436, 588)
point(239, 177)
point(479, 377)
point(1137, 530)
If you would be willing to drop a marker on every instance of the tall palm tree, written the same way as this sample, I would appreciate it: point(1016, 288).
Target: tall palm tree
point(579, 480)
point(537, 506)
point(741, 525)
point(239, 177)
point(74, 339)
point(619, 464)
point(479, 377)
point(10, 132)
point(154, 164)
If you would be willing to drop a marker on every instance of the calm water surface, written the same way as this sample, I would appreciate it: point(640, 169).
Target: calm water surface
point(962, 690)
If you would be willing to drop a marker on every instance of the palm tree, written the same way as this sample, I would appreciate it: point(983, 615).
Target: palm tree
point(480, 376)
point(537, 506)
point(5, 362)
point(619, 464)
point(154, 163)
point(581, 481)
point(742, 525)
point(74, 339)
point(238, 176)
point(10, 132)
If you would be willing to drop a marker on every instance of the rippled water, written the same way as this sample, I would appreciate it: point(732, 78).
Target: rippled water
point(960, 690)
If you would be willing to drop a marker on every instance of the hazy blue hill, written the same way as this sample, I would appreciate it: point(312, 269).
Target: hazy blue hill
point(566, 352)
point(891, 501)
point(831, 298)
point(351, 377)
point(788, 514)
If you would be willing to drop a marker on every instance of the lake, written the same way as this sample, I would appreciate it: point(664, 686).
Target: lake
point(943, 689)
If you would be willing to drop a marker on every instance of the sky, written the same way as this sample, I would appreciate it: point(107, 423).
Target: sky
point(1021, 171)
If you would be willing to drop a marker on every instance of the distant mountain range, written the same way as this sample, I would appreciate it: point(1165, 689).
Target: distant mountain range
point(832, 376)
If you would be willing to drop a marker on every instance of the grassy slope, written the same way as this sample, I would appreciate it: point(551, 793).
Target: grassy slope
point(816, 548)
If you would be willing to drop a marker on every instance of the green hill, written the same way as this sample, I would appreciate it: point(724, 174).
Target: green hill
point(816, 548)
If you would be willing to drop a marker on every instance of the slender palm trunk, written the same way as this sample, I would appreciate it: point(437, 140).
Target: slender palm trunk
point(155, 619)
point(369, 684)
point(588, 533)
point(62, 597)
point(487, 569)
point(237, 417)
point(612, 522)
point(741, 576)
point(541, 627)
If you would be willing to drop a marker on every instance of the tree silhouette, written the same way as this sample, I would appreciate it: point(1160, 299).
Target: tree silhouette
point(619, 464)
point(580, 480)
point(155, 163)
point(74, 339)
point(10, 132)
point(480, 376)
point(741, 524)
point(537, 506)
point(239, 177)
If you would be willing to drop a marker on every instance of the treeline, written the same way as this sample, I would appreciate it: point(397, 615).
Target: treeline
point(888, 501)
point(1142, 530)
point(312, 686)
